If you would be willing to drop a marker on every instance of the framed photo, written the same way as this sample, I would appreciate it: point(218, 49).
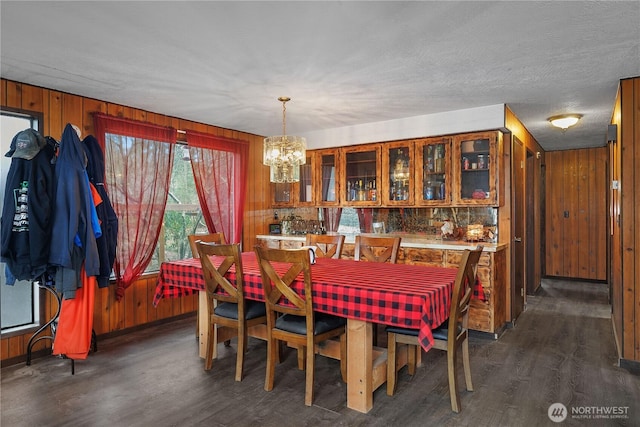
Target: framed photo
point(275, 229)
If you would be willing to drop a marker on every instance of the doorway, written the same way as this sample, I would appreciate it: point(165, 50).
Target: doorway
point(531, 214)
point(518, 230)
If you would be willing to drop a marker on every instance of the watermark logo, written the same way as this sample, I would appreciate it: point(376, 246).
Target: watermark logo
point(557, 412)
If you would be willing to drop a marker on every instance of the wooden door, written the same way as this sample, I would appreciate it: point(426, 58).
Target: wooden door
point(518, 223)
point(576, 214)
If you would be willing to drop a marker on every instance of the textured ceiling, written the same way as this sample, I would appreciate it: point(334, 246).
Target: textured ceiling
point(342, 63)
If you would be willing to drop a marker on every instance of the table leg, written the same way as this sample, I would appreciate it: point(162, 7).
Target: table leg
point(359, 365)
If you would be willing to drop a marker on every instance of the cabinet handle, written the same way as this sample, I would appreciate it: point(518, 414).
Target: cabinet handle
point(517, 239)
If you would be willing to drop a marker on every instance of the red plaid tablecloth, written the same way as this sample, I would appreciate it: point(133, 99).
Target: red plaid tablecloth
point(401, 295)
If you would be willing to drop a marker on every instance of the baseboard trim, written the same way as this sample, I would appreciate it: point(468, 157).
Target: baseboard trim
point(633, 366)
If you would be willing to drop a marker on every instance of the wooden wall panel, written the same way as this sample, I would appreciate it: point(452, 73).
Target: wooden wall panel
point(598, 185)
point(626, 240)
point(53, 121)
point(534, 202)
point(32, 99)
point(3, 92)
point(136, 308)
point(14, 95)
point(576, 214)
point(584, 169)
point(554, 214)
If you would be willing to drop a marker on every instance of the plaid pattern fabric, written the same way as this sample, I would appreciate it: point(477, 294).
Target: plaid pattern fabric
point(403, 295)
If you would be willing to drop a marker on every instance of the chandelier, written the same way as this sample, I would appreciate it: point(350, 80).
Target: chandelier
point(284, 153)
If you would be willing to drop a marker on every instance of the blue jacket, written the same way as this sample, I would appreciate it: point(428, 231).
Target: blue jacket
point(74, 214)
point(108, 219)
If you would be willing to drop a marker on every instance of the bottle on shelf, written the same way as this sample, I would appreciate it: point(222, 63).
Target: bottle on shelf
point(362, 193)
point(430, 167)
point(373, 193)
point(439, 159)
point(428, 191)
point(481, 164)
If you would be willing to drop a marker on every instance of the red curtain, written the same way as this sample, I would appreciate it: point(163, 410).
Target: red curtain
point(219, 169)
point(138, 164)
point(331, 218)
point(365, 217)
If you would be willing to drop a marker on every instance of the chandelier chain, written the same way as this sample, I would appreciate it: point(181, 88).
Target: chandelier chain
point(284, 100)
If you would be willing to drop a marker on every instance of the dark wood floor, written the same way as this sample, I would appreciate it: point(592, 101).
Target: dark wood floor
point(561, 350)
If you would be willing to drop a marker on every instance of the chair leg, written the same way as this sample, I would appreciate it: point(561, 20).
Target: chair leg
point(272, 355)
point(466, 364)
point(453, 383)
point(392, 373)
point(242, 348)
point(301, 357)
point(308, 393)
point(208, 358)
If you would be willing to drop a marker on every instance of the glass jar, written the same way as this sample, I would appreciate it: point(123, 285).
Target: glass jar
point(481, 163)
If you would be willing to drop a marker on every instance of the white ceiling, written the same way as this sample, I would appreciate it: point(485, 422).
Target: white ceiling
point(342, 63)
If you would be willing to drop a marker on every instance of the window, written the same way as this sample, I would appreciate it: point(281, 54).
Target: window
point(20, 303)
point(349, 222)
point(154, 192)
point(182, 216)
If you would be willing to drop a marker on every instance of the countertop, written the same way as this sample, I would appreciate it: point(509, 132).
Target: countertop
point(408, 241)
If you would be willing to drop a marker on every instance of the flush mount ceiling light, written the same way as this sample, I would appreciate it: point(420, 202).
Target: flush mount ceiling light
point(564, 121)
point(284, 153)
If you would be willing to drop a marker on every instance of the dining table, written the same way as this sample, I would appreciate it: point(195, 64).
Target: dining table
point(403, 295)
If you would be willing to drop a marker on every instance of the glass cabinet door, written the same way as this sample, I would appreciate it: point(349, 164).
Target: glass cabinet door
point(306, 184)
point(433, 172)
point(397, 171)
point(281, 194)
point(475, 163)
point(326, 170)
point(361, 175)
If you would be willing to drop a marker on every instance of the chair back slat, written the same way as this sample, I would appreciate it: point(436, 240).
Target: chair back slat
point(376, 249)
point(462, 290)
point(217, 238)
point(280, 293)
point(327, 245)
point(215, 278)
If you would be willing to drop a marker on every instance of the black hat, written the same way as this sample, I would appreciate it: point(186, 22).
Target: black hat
point(26, 144)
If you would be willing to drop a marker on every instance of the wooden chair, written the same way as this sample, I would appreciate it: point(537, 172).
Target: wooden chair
point(210, 238)
point(232, 310)
point(297, 323)
point(376, 249)
point(327, 245)
point(217, 238)
point(450, 336)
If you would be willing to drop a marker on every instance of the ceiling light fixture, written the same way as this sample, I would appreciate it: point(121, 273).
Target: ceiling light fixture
point(564, 121)
point(284, 153)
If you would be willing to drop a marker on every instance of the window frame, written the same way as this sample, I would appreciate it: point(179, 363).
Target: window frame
point(38, 297)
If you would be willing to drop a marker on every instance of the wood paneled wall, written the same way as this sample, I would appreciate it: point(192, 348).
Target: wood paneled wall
point(534, 207)
point(624, 209)
point(135, 308)
point(576, 213)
